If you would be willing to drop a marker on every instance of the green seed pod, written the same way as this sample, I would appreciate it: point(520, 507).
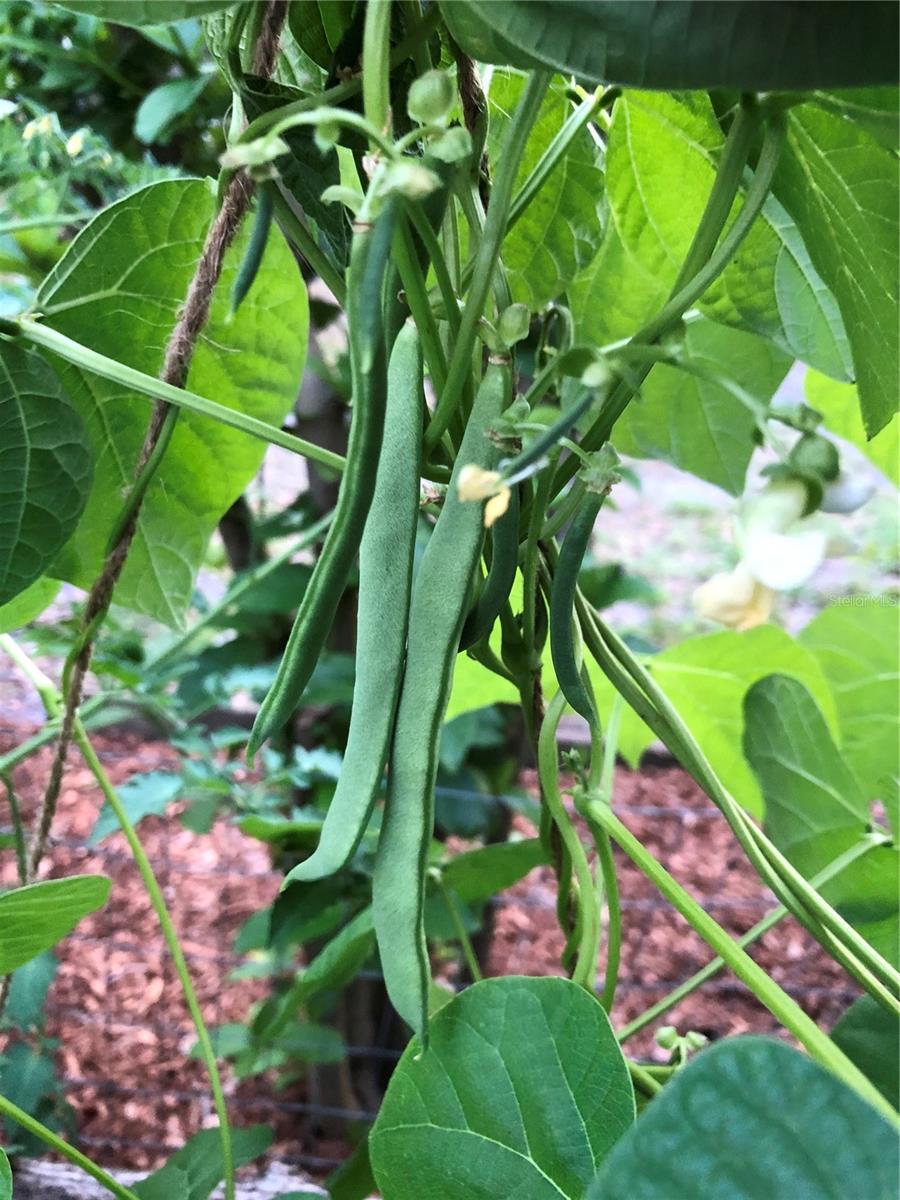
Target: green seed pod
point(431, 98)
point(816, 454)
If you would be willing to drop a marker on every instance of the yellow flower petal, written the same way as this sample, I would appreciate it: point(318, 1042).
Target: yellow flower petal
point(474, 483)
point(496, 507)
point(734, 599)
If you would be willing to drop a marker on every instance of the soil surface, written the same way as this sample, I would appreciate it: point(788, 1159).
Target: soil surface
point(123, 1028)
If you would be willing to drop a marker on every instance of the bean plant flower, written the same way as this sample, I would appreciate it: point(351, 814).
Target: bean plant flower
point(781, 548)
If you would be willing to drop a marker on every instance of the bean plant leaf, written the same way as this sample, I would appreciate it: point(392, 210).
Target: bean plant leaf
point(856, 641)
point(661, 162)
point(874, 109)
point(35, 917)
point(841, 188)
point(557, 234)
point(145, 12)
point(478, 874)
point(28, 604)
point(199, 1161)
point(706, 679)
point(870, 1037)
point(815, 808)
point(28, 991)
point(839, 405)
point(679, 44)
point(6, 1179)
point(523, 1088)
point(118, 289)
point(45, 468)
point(141, 796)
point(752, 1119)
point(160, 107)
point(705, 423)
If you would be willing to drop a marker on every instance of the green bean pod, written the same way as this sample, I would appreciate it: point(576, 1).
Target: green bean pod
point(500, 578)
point(369, 258)
point(256, 247)
point(562, 605)
point(385, 572)
point(437, 611)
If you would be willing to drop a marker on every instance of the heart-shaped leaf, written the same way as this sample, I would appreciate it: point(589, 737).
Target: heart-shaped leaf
point(752, 1119)
point(521, 1091)
point(675, 44)
point(45, 468)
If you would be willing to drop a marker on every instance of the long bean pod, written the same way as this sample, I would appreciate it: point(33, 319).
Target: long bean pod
point(368, 371)
point(562, 604)
point(256, 247)
point(385, 572)
point(437, 611)
point(500, 578)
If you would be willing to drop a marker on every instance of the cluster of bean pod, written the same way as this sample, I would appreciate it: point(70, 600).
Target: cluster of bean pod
point(409, 630)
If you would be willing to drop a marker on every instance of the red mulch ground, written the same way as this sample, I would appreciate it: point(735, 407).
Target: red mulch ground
point(123, 1026)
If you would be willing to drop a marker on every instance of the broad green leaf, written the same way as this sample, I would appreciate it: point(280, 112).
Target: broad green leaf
point(558, 232)
point(663, 153)
point(28, 1079)
point(522, 1092)
point(856, 641)
point(698, 424)
point(874, 109)
point(752, 1119)
point(199, 1161)
point(28, 991)
point(839, 405)
point(141, 796)
point(478, 874)
point(168, 1183)
point(118, 289)
point(28, 604)
point(866, 895)
point(145, 12)
point(6, 1179)
point(870, 1037)
point(161, 106)
point(841, 188)
point(35, 917)
point(45, 468)
point(353, 1179)
point(474, 687)
point(706, 679)
point(683, 44)
point(815, 809)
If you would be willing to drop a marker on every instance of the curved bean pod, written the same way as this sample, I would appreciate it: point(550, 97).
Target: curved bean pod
point(385, 571)
point(562, 604)
point(437, 612)
point(500, 578)
point(368, 262)
point(256, 247)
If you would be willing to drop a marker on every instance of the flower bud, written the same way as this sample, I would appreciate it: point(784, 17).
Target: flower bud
point(431, 98)
point(816, 454)
point(514, 323)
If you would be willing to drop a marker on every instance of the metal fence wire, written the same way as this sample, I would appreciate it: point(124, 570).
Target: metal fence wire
point(123, 1032)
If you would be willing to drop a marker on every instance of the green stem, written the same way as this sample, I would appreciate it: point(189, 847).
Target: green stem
point(779, 873)
point(349, 88)
point(762, 927)
point(423, 228)
point(688, 293)
point(417, 298)
point(462, 935)
point(148, 385)
point(39, 222)
point(487, 255)
point(102, 704)
point(548, 768)
point(157, 900)
point(767, 991)
point(643, 1080)
point(376, 79)
point(296, 232)
point(18, 830)
point(61, 1146)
